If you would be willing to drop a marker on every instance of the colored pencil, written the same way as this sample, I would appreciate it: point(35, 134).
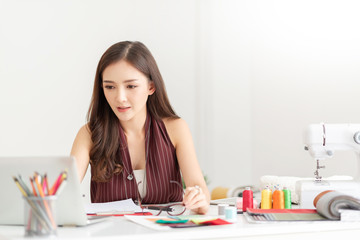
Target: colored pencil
point(36, 210)
point(46, 184)
point(55, 185)
point(61, 187)
point(45, 202)
point(33, 187)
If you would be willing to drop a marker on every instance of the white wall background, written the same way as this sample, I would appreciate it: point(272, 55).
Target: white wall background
point(247, 76)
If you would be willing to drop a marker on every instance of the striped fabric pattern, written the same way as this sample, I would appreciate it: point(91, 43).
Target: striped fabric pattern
point(161, 168)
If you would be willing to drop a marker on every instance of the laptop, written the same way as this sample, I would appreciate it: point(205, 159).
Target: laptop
point(70, 209)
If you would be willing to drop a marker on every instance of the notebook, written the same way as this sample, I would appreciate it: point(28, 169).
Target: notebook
point(69, 206)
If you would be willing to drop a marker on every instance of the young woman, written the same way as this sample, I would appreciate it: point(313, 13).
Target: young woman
point(135, 143)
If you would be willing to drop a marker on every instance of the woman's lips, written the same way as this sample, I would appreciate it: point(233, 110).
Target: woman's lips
point(123, 109)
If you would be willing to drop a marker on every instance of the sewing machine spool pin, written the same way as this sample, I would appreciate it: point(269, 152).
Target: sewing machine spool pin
point(316, 173)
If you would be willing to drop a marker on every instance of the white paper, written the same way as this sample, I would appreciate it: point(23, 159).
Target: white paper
point(349, 215)
point(123, 206)
point(143, 220)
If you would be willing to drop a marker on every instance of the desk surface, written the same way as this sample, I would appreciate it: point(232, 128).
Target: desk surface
point(121, 228)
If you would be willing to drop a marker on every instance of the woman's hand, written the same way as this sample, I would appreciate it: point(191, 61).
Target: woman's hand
point(195, 200)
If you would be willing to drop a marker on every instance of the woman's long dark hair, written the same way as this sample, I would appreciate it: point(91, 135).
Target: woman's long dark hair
point(102, 121)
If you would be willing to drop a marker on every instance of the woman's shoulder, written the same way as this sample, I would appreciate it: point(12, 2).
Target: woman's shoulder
point(176, 128)
point(84, 132)
point(85, 128)
point(174, 123)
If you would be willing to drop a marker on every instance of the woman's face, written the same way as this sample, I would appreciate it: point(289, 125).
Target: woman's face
point(126, 90)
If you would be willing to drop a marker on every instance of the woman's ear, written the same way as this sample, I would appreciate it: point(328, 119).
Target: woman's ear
point(151, 87)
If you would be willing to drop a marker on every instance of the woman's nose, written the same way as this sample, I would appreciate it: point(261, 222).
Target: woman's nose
point(121, 95)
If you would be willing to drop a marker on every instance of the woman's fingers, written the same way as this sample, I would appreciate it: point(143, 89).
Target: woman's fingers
point(190, 193)
point(194, 198)
point(196, 202)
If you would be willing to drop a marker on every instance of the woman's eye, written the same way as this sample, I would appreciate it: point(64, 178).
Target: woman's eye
point(109, 87)
point(131, 86)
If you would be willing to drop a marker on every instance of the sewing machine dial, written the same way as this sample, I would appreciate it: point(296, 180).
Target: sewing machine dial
point(357, 137)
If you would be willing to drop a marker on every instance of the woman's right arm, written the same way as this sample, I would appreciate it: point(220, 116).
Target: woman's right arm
point(81, 150)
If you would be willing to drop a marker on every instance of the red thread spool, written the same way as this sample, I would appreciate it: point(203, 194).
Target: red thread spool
point(247, 199)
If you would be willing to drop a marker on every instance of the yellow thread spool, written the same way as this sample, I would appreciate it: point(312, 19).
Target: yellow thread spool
point(223, 192)
point(266, 198)
point(219, 193)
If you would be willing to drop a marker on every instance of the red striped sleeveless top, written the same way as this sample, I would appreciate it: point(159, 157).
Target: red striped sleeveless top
point(161, 169)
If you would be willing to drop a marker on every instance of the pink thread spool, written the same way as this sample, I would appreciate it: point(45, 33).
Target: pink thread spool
point(247, 199)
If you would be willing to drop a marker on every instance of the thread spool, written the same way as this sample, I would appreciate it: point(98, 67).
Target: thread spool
point(247, 199)
point(224, 192)
point(231, 214)
point(287, 198)
point(266, 198)
point(278, 199)
point(219, 192)
point(221, 209)
point(316, 199)
point(239, 203)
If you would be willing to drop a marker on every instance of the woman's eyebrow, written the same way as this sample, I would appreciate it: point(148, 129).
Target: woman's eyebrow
point(130, 80)
point(108, 81)
point(125, 81)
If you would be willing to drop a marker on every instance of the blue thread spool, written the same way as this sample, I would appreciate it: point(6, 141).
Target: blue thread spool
point(231, 214)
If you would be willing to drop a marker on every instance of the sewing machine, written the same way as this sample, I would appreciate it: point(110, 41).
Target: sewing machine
point(322, 141)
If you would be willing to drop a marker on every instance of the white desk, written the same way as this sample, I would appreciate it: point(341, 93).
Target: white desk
point(120, 228)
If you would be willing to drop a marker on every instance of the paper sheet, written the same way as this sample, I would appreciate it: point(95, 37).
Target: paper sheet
point(149, 221)
point(124, 206)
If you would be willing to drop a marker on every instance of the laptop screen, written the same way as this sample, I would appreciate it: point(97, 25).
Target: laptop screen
point(69, 205)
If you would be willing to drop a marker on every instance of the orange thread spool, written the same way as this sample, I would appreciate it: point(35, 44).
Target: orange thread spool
point(278, 199)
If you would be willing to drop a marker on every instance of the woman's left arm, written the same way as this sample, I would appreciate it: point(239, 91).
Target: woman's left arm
point(197, 197)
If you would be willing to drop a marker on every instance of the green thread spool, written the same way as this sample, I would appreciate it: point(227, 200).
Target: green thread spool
point(287, 198)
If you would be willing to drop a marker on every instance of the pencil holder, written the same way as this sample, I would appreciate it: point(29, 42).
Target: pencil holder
point(40, 216)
